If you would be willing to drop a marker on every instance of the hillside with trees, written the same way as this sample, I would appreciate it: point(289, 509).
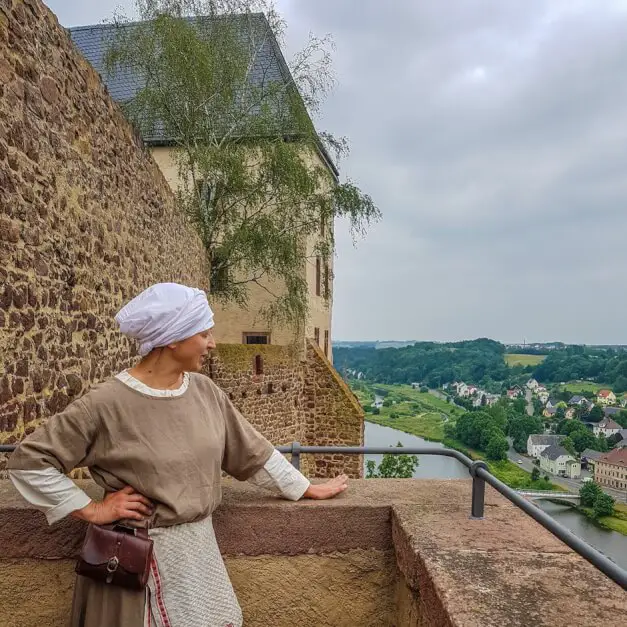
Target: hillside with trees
point(479, 361)
point(482, 362)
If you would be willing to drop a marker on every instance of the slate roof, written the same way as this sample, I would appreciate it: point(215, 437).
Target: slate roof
point(590, 454)
point(575, 400)
point(269, 65)
point(554, 451)
point(608, 423)
point(538, 439)
point(611, 411)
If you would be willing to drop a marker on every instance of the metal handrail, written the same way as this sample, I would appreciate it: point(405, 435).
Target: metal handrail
point(480, 476)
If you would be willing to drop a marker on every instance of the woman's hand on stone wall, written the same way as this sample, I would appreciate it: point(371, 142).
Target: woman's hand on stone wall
point(327, 490)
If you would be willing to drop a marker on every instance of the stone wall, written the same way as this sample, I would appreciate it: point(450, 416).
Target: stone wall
point(332, 416)
point(293, 399)
point(86, 221)
point(264, 397)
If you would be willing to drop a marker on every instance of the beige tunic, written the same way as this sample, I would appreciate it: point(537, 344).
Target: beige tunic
point(171, 449)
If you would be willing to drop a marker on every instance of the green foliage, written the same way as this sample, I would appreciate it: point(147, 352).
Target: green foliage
point(497, 447)
point(535, 474)
point(603, 505)
point(245, 148)
point(581, 437)
point(520, 428)
point(477, 361)
point(569, 445)
point(392, 466)
point(376, 411)
point(596, 414)
point(476, 429)
point(588, 493)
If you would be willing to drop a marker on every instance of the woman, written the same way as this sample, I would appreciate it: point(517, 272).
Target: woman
point(156, 437)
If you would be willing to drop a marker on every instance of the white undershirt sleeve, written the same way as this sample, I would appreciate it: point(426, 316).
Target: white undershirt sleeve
point(279, 476)
point(49, 491)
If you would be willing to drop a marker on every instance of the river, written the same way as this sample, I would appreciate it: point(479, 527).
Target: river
point(611, 543)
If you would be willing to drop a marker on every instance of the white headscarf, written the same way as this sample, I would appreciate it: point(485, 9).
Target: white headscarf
point(163, 314)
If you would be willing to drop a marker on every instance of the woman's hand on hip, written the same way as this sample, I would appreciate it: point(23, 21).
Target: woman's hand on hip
point(126, 503)
point(327, 490)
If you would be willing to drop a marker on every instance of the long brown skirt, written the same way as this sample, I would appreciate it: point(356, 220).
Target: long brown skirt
point(99, 605)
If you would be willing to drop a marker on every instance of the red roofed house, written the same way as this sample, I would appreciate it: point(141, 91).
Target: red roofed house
point(606, 397)
point(611, 469)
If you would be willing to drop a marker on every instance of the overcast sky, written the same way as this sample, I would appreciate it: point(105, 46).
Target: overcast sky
point(492, 134)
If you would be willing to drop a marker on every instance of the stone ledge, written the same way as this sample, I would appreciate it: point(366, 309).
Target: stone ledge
point(503, 570)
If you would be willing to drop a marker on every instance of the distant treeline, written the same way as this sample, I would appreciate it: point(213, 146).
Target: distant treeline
point(428, 362)
point(606, 366)
point(481, 362)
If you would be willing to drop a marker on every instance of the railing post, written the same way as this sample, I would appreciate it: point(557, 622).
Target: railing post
point(478, 491)
point(296, 455)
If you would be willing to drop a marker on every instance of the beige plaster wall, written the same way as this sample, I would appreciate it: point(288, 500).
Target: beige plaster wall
point(233, 321)
point(353, 588)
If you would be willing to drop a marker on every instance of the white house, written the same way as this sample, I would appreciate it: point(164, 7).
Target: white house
point(537, 443)
point(462, 390)
point(532, 385)
point(606, 427)
point(558, 461)
point(543, 395)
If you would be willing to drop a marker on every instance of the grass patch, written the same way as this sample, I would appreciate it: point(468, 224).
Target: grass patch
point(520, 359)
point(429, 426)
point(577, 387)
point(616, 522)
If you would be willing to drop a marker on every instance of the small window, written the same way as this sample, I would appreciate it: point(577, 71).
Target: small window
point(327, 279)
point(317, 335)
point(326, 343)
point(258, 365)
point(254, 337)
point(318, 276)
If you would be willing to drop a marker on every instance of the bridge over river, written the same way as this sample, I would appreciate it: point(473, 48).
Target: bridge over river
point(538, 495)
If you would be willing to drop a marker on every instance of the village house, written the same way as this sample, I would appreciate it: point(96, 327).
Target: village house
point(611, 469)
point(532, 385)
point(549, 412)
point(554, 403)
point(606, 427)
point(606, 397)
point(580, 401)
point(570, 413)
point(536, 443)
point(589, 458)
point(514, 393)
point(556, 460)
point(543, 395)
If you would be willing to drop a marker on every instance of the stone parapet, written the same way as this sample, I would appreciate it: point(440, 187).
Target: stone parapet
point(386, 552)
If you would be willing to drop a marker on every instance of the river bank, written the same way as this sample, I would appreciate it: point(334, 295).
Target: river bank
point(430, 427)
point(617, 522)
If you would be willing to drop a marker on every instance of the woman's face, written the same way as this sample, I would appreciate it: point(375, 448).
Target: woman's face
point(192, 352)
